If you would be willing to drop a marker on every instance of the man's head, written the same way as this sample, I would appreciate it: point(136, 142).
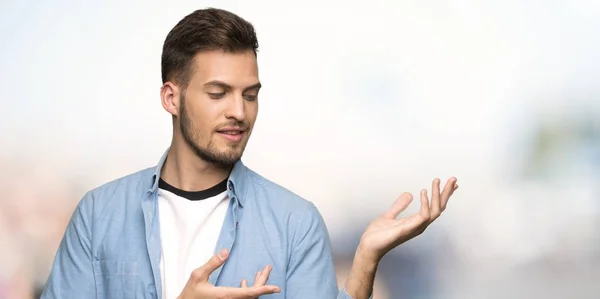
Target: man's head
point(210, 83)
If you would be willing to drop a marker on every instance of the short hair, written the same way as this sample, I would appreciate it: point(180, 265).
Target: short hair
point(208, 29)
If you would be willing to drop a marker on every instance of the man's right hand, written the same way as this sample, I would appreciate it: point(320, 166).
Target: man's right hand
point(198, 286)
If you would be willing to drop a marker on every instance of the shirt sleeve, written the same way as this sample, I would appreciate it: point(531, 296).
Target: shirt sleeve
point(311, 272)
point(72, 274)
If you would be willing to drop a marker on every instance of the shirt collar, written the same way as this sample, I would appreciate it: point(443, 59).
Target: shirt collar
point(236, 185)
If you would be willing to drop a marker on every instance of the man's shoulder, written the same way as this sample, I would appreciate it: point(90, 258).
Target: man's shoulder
point(261, 182)
point(141, 180)
point(278, 196)
point(301, 216)
point(127, 186)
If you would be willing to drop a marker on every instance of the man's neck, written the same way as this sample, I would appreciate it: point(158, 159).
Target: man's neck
point(186, 171)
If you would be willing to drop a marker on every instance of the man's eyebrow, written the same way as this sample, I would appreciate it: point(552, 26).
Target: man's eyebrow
point(253, 87)
point(216, 83)
point(221, 84)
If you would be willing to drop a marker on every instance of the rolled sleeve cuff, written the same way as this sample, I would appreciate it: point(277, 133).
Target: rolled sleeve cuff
point(344, 295)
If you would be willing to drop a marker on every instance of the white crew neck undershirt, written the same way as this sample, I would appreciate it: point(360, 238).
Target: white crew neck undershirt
point(189, 231)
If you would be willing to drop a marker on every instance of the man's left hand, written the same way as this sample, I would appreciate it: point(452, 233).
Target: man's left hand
point(387, 232)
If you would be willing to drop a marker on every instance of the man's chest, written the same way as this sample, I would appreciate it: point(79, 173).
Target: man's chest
point(127, 263)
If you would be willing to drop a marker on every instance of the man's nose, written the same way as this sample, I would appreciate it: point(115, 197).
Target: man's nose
point(236, 108)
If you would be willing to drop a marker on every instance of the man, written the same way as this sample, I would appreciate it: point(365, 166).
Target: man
point(201, 224)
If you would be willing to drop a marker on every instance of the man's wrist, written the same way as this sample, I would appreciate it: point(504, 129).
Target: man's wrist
point(364, 264)
point(360, 280)
point(365, 258)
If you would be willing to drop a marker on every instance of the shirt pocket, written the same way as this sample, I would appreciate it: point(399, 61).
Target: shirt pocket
point(115, 279)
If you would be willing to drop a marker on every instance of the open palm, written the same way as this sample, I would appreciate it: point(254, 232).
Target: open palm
point(387, 232)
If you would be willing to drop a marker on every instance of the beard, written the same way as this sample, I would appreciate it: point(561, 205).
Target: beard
point(209, 153)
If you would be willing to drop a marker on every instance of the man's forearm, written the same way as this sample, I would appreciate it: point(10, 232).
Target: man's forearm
point(359, 284)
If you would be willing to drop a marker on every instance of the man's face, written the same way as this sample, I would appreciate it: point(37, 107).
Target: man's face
point(219, 107)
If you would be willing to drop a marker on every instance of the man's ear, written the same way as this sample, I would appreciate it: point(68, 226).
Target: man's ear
point(170, 97)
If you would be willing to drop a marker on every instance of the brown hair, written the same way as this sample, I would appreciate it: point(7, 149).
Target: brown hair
point(203, 30)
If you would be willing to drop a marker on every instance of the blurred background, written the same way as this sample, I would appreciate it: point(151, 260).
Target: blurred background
point(361, 101)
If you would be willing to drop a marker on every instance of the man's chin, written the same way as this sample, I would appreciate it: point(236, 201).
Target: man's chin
point(227, 149)
point(220, 156)
point(225, 158)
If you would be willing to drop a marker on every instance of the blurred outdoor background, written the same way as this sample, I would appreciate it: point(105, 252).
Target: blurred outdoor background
point(362, 100)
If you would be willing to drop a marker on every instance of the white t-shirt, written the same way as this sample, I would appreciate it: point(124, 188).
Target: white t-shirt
point(190, 225)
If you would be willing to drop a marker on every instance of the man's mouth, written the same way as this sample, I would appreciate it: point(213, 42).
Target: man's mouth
point(232, 134)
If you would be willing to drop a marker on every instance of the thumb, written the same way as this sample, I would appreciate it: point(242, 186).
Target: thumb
point(202, 273)
point(399, 205)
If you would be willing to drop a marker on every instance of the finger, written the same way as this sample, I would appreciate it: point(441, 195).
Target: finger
point(263, 276)
point(244, 283)
point(424, 211)
point(249, 292)
point(202, 273)
point(399, 205)
point(256, 276)
point(435, 208)
point(449, 188)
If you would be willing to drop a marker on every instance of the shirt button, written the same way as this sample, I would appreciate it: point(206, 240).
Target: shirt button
point(230, 186)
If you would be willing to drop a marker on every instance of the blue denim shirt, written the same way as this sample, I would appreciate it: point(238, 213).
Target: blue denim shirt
point(111, 248)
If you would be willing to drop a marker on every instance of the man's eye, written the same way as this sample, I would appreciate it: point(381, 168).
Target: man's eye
point(216, 95)
point(250, 97)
